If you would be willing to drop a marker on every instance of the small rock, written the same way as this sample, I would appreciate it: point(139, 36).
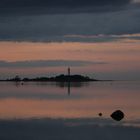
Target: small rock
point(117, 115)
point(100, 114)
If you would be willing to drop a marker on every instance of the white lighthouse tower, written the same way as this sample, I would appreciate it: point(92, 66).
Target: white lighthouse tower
point(68, 71)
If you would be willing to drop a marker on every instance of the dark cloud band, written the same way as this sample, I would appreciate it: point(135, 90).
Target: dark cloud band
point(52, 20)
point(60, 3)
point(59, 6)
point(46, 63)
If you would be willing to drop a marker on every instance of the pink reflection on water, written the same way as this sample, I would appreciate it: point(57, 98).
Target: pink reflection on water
point(86, 101)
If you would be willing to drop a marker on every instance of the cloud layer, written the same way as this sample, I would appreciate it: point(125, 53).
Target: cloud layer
point(55, 6)
point(52, 20)
point(61, 3)
point(46, 63)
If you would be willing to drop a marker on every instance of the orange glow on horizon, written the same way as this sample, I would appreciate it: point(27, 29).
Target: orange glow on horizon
point(120, 56)
point(13, 51)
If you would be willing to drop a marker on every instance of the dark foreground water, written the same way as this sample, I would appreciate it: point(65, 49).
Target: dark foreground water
point(69, 111)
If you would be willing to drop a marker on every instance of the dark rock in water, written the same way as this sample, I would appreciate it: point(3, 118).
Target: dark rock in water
point(100, 114)
point(117, 115)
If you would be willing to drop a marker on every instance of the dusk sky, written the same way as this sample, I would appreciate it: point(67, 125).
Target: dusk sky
point(98, 38)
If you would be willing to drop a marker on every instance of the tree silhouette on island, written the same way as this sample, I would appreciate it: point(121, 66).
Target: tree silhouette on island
point(59, 78)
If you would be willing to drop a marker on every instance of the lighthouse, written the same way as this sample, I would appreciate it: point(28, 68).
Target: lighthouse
point(68, 80)
point(68, 71)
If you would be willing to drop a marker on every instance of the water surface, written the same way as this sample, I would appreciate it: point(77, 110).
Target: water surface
point(69, 100)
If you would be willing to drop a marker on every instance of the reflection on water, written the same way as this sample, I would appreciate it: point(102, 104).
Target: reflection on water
point(69, 100)
point(70, 85)
point(67, 85)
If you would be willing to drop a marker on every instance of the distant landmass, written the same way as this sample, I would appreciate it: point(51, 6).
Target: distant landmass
point(59, 78)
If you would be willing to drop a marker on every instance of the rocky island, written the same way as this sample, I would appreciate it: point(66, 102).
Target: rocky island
point(60, 78)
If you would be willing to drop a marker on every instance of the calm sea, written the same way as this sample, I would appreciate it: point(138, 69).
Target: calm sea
point(70, 100)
